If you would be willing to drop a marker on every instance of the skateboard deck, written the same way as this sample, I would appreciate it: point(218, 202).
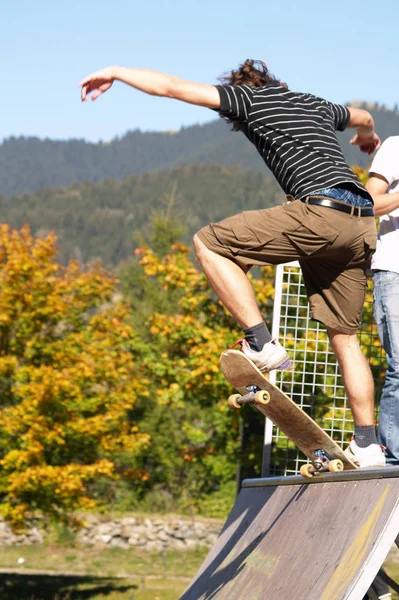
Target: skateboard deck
point(255, 388)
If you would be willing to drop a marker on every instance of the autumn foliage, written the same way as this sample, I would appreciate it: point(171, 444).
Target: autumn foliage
point(197, 439)
point(85, 399)
point(68, 379)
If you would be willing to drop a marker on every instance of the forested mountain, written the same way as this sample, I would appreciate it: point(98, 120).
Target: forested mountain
point(29, 164)
point(104, 220)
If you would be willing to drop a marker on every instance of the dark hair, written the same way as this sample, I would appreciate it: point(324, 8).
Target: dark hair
point(251, 72)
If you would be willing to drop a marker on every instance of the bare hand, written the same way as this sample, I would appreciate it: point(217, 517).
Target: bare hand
point(366, 144)
point(96, 84)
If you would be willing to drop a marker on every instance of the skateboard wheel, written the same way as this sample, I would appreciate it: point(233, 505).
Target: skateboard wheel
point(262, 397)
point(336, 465)
point(306, 471)
point(234, 400)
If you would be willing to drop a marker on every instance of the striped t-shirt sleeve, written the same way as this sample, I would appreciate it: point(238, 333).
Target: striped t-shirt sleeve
point(341, 115)
point(235, 101)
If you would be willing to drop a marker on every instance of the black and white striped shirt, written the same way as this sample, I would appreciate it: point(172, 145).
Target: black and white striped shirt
point(294, 133)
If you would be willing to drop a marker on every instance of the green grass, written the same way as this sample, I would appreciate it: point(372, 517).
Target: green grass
point(93, 574)
point(110, 562)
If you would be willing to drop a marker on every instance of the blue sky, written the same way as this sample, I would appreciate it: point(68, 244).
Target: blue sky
point(340, 50)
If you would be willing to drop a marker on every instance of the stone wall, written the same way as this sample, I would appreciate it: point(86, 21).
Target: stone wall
point(34, 535)
point(150, 534)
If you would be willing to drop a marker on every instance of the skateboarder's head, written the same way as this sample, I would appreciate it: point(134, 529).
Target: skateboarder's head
point(251, 72)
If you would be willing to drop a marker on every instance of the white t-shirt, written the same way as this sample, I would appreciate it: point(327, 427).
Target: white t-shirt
point(386, 163)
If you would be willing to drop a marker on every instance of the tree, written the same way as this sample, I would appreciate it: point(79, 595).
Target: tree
point(196, 436)
point(144, 294)
point(69, 379)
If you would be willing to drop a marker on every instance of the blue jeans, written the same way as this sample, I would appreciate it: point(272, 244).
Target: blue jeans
point(386, 314)
point(344, 195)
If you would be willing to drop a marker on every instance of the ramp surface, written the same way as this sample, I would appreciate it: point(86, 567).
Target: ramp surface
point(321, 540)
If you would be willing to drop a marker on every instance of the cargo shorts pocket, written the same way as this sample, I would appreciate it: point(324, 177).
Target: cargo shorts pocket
point(242, 232)
point(313, 234)
point(370, 245)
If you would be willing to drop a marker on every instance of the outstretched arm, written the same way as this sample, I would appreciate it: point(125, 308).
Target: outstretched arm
point(384, 203)
point(150, 82)
point(366, 138)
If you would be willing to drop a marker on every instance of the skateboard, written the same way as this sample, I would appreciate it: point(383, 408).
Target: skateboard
point(255, 388)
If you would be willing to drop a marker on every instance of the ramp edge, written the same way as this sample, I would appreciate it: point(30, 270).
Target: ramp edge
point(355, 475)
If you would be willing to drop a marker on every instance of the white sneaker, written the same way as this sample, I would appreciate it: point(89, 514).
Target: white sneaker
point(272, 356)
point(371, 456)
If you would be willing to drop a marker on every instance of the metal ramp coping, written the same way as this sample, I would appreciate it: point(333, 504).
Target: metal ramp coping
point(360, 474)
point(289, 538)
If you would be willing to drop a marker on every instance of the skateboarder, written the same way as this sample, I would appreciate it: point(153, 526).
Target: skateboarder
point(327, 223)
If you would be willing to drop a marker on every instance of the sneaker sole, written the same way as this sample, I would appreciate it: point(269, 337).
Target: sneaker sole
point(285, 365)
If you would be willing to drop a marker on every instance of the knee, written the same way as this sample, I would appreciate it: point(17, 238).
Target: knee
point(199, 247)
point(341, 340)
point(196, 242)
point(206, 257)
point(344, 344)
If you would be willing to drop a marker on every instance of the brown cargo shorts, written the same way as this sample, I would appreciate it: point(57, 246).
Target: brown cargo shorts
point(333, 248)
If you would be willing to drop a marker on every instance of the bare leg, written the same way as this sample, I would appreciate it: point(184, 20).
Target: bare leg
point(230, 284)
point(357, 376)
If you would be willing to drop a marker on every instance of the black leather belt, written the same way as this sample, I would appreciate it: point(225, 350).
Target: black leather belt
point(357, 211)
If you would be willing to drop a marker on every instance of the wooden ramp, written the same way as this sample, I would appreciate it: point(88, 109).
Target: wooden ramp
point(318, 539)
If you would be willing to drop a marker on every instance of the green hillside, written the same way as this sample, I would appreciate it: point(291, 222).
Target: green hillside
point(29, 164)
point(102, 220)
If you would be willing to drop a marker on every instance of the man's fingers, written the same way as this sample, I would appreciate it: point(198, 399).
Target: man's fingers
point(89, 78)
point(83, 92)
point(95, 88)
point(95, 84)
point(96, 94)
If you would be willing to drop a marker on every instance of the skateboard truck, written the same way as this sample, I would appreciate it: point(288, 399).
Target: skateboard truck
point(254, 395)
point(321, 463)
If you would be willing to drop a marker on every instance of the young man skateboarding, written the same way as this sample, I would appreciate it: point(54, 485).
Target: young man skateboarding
point(327, 223)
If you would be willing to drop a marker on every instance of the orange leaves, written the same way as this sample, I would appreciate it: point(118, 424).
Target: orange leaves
point(191, 339)
point(361, 174)
point(75, 377)
point(55, 488)
point(69, 368)
point(175, 269)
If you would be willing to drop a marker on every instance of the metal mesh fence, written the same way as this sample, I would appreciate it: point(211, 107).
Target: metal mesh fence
point(314, 382)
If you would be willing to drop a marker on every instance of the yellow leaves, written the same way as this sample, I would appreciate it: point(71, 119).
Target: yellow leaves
point(174, 269)
point(63, 486)
point(69, 375)
point(19, 459)
point(361, 174)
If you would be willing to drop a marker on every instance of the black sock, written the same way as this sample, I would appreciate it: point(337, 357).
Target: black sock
point(365, 435)
point(257, 336)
